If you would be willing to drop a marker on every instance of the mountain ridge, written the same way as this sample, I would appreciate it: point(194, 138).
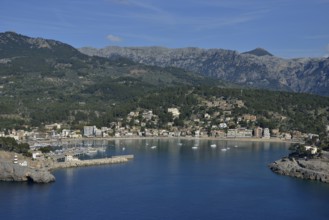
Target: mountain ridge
point(258, 52)
point(44, 81)
point(303, 75)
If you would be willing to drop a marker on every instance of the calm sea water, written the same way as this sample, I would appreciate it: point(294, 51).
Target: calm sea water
point(172, 181)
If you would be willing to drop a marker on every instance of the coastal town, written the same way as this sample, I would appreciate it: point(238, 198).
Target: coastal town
point(144, 124)
point(50, 146)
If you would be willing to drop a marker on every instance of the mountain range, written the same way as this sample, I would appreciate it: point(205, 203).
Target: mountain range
point(257, 68)
point(46, 81)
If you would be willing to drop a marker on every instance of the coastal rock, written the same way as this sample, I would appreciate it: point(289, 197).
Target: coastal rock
point(15, 172)
point(311, 169)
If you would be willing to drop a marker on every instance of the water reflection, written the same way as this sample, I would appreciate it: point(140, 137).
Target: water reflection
point(206, 183)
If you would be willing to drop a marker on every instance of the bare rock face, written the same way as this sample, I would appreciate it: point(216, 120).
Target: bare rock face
point(15, 172)
point(313, 169)
point(257, 68)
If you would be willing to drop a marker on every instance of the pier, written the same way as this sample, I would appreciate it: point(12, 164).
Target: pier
point(92, 162)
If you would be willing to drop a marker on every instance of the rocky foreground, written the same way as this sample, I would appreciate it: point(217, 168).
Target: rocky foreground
point(310, 169)
point(39, 171)
point(15, 172)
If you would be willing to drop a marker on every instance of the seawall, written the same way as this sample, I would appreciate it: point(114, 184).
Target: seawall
point(93, 162)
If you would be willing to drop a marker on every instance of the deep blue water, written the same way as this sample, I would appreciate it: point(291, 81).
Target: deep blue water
point(172, 182)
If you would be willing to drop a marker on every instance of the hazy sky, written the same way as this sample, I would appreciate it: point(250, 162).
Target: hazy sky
point(286, 28)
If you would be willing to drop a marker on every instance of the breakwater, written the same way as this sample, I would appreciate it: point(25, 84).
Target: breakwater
point(93, 162)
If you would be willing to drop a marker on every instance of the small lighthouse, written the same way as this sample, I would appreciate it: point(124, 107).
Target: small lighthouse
point(15, 159)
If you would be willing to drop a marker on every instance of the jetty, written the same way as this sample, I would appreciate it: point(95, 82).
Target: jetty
point(92, 162)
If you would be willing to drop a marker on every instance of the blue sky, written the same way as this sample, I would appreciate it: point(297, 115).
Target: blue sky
point(286, 28)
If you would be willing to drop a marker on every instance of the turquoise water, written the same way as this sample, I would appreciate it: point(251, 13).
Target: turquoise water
point(172, 181)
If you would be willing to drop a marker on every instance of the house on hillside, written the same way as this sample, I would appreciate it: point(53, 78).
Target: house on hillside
point(174, 111)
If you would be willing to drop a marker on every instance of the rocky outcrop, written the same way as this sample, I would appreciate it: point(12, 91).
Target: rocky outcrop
point(311, 169)
point(39, 172)
point(257, 68)
point(15, 172)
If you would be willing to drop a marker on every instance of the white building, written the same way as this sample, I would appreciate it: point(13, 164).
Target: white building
point(23, 164)
point(98, 132)
point(197, 133)
point(174, 111)
point(231, 133)
point(287, 136)
point(312, 149)
point(36, 155)
point(206, 116)
point(70, 158)
point(53, 126)
point(89, 131)
point(266, 134)
point(239, 133)
point(65, 132)
point(147, 115)
point(222, 125)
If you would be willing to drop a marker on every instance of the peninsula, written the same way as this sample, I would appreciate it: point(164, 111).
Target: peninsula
point(18, 168)
point(306, 162)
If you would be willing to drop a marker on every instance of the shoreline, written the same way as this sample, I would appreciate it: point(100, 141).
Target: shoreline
point(271, 140)
point(316, 169)
point(42, 171)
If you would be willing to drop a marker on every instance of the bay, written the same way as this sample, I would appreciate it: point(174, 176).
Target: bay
point(172, 181)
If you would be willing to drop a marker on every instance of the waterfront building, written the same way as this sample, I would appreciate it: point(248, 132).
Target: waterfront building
point(239, 133)
point(287, 136)
point(89, 131)
point(266, 134)
point(98, 132)
point(258, 132)
point(55, 126)
point(70, 158)
point(223, 125)
point(244, 133)
point(275, 132)
point(65, 132)
point(231, 133)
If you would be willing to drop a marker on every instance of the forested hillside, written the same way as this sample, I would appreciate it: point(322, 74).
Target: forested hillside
point(46, 81)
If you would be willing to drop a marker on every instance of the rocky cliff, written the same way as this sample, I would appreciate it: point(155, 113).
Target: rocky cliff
point(312, 169)
point(256, 68)
point(15, 172)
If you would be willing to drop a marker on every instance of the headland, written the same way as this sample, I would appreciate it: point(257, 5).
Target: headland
point(40, 171)
point(304, 168)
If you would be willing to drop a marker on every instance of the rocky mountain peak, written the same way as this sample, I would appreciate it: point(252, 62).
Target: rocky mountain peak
point(257, 68)
point(259, 52)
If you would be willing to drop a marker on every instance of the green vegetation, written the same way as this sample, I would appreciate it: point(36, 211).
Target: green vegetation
point(43, 82)
point(284, 110)
point(10, 144)
point(46, 149)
